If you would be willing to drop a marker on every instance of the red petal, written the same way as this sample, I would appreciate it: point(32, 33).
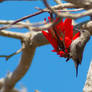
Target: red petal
point(50, 39)
point(49, 18)
point(45, 34)
point(68, 21)
point(54, 51)
point(62, 54)
point(66, 51)
point(76, 35)
point(59, 25)
point(68, 28)
point(67, 42)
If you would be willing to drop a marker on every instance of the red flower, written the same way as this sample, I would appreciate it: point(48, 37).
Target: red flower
point(61, 36)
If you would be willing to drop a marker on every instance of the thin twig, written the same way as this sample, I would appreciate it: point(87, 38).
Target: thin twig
point(16, 35)
point(73, 16)
point(69, 5)
point(5, 22)
point(61, 10)
point(15, 53)
point(21, 19)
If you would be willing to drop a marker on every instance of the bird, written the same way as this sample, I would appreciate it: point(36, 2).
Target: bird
point(77, 48)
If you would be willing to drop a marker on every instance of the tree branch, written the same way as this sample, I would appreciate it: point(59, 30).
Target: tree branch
point(88, 83)
point(65, 15)
point(15, 53)
point(87, 4)
point(12, 34)
point(30, 43)
point(25, 62)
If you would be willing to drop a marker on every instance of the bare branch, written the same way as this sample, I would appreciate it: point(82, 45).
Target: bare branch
point(73, 16)
point(30, 43)
point(12, 34)
point(87, 4)
point(20, 71)
point(40, 28)
point(21, 19)
point(88, 83)
point(2, 83)
point(25, 24)
point(15, 53)
point(58, 1)
point(68, 5)
point(65, 5)
point(62, 10)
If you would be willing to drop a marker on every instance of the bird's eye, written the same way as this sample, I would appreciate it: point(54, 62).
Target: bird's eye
point(83, 30)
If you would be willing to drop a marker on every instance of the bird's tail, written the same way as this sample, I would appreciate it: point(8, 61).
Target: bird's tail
point(76, 67)
point(76, 70)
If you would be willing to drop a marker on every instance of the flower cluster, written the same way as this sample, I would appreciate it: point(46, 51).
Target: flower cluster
point(61, 36)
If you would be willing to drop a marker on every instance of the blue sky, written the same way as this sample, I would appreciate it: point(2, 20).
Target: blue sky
point(48, 72)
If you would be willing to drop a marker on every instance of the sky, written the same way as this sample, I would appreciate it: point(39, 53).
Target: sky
point(48, 72)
